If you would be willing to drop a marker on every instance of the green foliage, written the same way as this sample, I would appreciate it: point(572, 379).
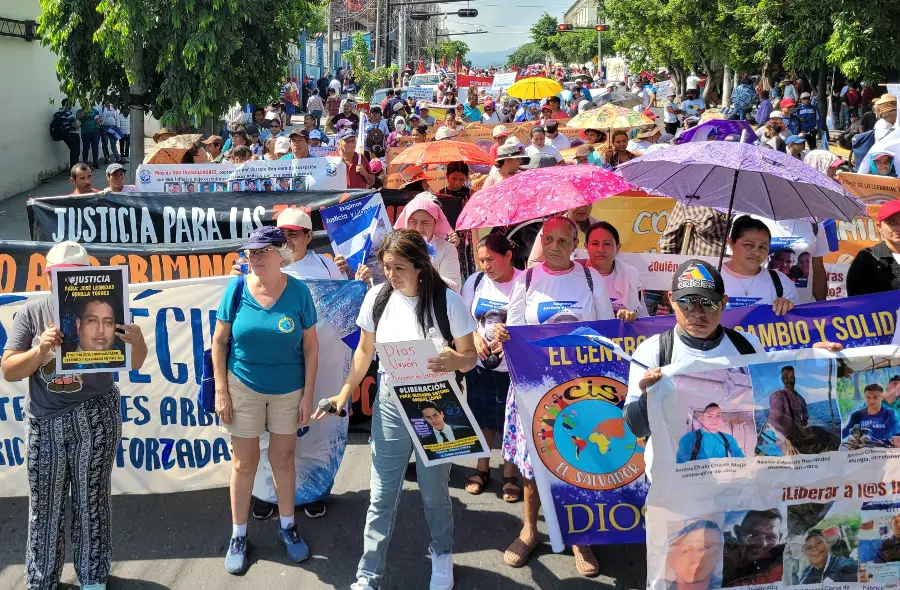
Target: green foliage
point(199, 57)
point(543, 33)
point(368, 80)
point(526, 55)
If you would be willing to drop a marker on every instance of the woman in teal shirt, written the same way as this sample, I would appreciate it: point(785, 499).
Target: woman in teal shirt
point(265, 382)
point(90, 135)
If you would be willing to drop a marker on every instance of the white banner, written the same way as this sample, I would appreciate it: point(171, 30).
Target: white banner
point(420, 93)
point(779, 473)
point(503, 81)
point(315, 173)
point(169, 443)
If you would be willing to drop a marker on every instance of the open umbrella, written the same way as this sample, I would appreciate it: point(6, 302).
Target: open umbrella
point(711, 116)
point(534, 88)
point(622, 99)
point(741, 177)
point(718, 130)
point(535, 193)
point(442, 152)
point(172, 150)
point(609, 116)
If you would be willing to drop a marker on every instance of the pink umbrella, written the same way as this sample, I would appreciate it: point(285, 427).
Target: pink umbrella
point(537, 193)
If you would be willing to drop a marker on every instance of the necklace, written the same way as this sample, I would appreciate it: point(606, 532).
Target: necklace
point(747, 287)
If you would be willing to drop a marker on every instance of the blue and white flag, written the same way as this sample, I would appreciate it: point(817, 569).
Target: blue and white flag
point(443, 71)
point(356, 228)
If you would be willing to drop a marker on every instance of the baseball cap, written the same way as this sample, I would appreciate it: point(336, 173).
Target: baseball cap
point(787, 102)
point(888, 209)
point(399, 121)
point(805, 95)
point(776, 115)
point(282, 145)
point(266, 235)
point(538, 160)
point(500, 130)
point(794, 139)
point(649, 114)
point(67, 255)
point(294, 219)
point(304, 133)
point(114, 168)
point(251, 130)
point(316, 134)
point(696, 277)
point(894, 379)
point(510, 149)
point(214, 139)
point(583, 151)
point(344, 134)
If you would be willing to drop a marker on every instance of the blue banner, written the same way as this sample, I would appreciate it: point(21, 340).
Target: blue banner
point(570, 390)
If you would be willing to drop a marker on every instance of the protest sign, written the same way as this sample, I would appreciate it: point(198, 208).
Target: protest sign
point(433, 409)
point(88, 306)
point(482, 81)
point(502, 81)
point(418, 93)
point(779, 472)
point(604, 504)
point(141, 218)
point(356, 228)
point(253, 176)
point(169, 443)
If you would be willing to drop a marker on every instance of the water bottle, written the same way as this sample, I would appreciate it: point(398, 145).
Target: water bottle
point(242, 263)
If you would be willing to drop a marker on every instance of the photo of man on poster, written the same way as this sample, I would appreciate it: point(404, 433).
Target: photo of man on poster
point(789, 416)
point(692, 557)
point(754, 549)
point(873, 425)
point(889, 551)
point(708, 441)
point(441, 432)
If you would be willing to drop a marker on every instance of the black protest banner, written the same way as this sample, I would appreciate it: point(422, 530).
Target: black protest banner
point(160, 218)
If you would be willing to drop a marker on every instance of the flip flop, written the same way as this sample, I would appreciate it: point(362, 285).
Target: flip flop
point(476, 482)
point(519, 552)
point(514, 494)
point(585, 561)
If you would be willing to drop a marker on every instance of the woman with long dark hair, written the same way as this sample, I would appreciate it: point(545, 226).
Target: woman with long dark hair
point(413, 304)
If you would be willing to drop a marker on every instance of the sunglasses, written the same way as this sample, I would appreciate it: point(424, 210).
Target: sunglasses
point(259, 252)
point(688, 302)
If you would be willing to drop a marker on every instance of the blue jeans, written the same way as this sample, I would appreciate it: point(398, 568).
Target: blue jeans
point(90, 140)
point(391, 449)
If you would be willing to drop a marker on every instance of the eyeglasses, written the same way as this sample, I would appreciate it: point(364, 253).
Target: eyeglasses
point(688, 302)
point(258, 252)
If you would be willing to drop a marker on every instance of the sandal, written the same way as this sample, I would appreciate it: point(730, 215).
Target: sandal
point(512, 494)
point(519, 552)
point(585, 561)
point(477, 482)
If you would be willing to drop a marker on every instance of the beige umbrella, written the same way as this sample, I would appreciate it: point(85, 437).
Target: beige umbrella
point(172, 150)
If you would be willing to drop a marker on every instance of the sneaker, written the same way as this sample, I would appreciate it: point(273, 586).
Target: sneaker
point(236, 561)
point(441, 572)
point(361, 584)
point(262, 510)
point(296, 547)
point(315, 509)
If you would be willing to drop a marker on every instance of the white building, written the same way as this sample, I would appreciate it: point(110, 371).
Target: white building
point(582, 13)
point(29, 96)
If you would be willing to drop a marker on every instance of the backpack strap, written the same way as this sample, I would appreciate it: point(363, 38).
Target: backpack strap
point(742, 345)
point(776, 281)
point(440, 314)
point(478, 278)
point(528, 276)
point(698, 437)
point(588, 278)
point(666, 343)
point(726, 443)
point(236, 296)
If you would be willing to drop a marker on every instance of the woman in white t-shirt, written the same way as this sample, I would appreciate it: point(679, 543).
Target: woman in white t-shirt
point(487, 296)
point(747, 283)
point(623, 282)
point(555, 291)
point(405, 307)
point(297, 228)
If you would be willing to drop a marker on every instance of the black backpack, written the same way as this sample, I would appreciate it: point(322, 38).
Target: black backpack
point(699, 437)
point(667, 342)
point(57, 127)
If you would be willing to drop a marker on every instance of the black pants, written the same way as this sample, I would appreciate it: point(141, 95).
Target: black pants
point(73, 142)
point(811, 139)
point(125, 145)
point(90, 140)
point(672, 128)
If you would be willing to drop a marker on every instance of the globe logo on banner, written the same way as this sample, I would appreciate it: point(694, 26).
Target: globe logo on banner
point(331, 169)
point(145, 176)
point(581, 436)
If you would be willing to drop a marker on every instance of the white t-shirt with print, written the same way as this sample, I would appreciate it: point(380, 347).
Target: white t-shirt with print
point(693, 106)
point(556, 298)
point(314, 266)
point(667, 116)
point(489, 304)
point(546, 149)
point(647, 353)
point(560, 142)
point(798, 235)
point(747, 291)
point(398, 321)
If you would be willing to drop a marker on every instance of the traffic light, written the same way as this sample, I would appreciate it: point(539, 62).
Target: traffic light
point(467, 12)
point(561, 27)
point(601, 28)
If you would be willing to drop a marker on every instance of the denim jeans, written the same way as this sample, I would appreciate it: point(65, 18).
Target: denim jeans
point(109, 144)
point(391, 449)
point(90, 140)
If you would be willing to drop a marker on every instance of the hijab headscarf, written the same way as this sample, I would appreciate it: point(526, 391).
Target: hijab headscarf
point(428, 203)
point(820, 160)
point(874, 170)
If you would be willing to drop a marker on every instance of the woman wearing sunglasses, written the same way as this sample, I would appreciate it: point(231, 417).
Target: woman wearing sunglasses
point(264, 382)
point(747, 283)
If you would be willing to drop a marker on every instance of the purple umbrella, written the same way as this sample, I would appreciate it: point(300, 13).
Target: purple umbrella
point(718, 130)
point(741, 177)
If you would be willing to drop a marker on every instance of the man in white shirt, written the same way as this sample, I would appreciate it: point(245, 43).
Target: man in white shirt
point(539, 145)
point(692, 82)
point(693, 105)
point(335, 85)
point(556, 139)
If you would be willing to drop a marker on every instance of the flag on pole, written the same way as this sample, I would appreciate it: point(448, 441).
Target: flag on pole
point(353, 228)
point(361, 138)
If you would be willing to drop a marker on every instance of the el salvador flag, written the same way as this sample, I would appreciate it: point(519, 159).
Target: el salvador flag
point(354, 238)
point(443, 71)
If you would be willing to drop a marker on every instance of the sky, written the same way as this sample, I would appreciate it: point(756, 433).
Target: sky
point(507, 21)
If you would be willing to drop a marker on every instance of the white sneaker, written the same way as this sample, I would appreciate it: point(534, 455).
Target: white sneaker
point(361, 584)
point(441, 572)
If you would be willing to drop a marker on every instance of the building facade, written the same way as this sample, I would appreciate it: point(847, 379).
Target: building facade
point(582, 13)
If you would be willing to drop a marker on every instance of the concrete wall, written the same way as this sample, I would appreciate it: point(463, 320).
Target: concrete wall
point(28, 74)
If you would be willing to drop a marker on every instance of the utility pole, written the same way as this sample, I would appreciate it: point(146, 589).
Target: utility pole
point(136, 112)
point(330, 57)
point(377, 33)
point(401, 39)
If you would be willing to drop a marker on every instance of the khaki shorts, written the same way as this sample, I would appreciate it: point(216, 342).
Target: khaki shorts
point(252, 411)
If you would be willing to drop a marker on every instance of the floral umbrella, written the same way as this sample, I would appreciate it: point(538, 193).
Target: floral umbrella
point(172, 150)
point(442, 152)
point(608, 117)
point(534, 88)
point(536, 193)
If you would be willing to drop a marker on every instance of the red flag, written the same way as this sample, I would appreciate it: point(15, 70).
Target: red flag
point(443, 62)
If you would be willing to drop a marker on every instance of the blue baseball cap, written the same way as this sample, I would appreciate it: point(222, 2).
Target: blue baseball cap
point(794, 139)
point(268, 235)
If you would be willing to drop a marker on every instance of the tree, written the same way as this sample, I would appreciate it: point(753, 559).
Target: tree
point(543, 33)
point(182, 61)
point(526, 55)
point(368, 80)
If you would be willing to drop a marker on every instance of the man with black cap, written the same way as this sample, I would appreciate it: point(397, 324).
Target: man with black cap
point(554, 137)
point(299, 145)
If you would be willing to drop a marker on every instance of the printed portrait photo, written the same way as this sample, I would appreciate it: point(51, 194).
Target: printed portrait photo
point(754, 547)
point(796, 407)
point(172, 187)
point(879, 542)
point(822, 543)
point(869, 399)
point(236, 186)
point(694, 554)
